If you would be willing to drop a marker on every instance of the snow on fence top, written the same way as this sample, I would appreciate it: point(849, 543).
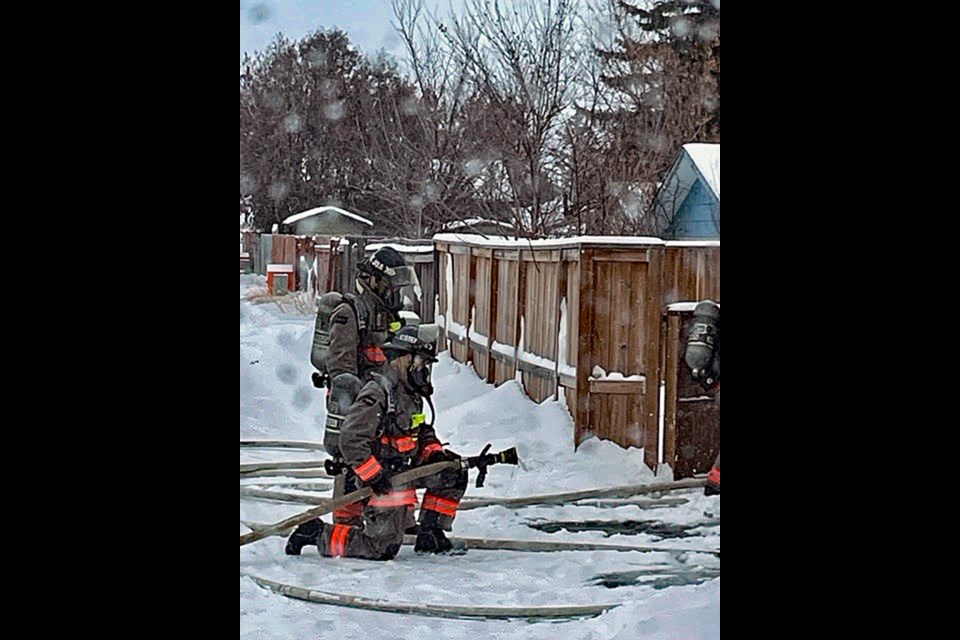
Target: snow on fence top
point(402, 248)
point(693, 243)
point(526, 243)
point(683, 306)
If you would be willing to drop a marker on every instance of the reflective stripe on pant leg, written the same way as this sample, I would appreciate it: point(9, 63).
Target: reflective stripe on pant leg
point(447, 487)
point(396, 498)
point(443, 506)
point(338, 540)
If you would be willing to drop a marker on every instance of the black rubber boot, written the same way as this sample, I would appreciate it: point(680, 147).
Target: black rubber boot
point(431, 538)
point(306, 533)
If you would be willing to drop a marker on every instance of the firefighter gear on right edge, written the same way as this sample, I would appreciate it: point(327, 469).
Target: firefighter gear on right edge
point(713, 479)
point(703, 358)
point(383, 434)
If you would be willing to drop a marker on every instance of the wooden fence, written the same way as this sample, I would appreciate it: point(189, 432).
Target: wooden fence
point(591, 321)
point(581, 318)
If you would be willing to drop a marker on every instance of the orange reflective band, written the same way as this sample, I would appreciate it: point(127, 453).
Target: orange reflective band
point(445, 501)
point(338, 540)
point(400, 498)
point(382, 502)
point(439, 509)
point(401, 443)
point(368, 469)
point(714, 476)
point(404, 444)
point(342, 540)
point(440, 505)
point(375, 355)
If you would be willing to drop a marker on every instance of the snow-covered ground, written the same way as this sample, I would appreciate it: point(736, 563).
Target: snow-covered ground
point(278, 401)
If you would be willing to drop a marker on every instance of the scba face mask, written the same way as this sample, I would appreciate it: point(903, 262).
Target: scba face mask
point(420, 376)
point(391, 283)
point(392, 299)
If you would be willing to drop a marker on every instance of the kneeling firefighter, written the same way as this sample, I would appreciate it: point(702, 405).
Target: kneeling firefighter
point(703, 358)
point(383, 434)
point(349, 335)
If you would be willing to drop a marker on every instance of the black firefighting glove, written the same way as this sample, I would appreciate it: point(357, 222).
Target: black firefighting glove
point(380, 483)
point(443, 455)
point(449, 477)
point(334, 467)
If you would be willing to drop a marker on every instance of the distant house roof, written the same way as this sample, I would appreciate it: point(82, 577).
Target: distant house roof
point(706, 159)
point(687, 204)
point(319, 210)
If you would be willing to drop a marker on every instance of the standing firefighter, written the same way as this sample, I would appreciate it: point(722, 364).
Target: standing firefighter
point(384, 434)
point(348, 338)
point(703, 358)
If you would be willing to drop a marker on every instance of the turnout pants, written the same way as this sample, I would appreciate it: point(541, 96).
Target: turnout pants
point(379, 533)
point(352, 514)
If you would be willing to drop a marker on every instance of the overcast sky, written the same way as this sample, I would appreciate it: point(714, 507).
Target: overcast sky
point(367, 22)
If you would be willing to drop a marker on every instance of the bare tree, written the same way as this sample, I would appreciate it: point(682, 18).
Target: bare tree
point(459, 132)
point(521, 62)
point(525, 111)
point(664, 67)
